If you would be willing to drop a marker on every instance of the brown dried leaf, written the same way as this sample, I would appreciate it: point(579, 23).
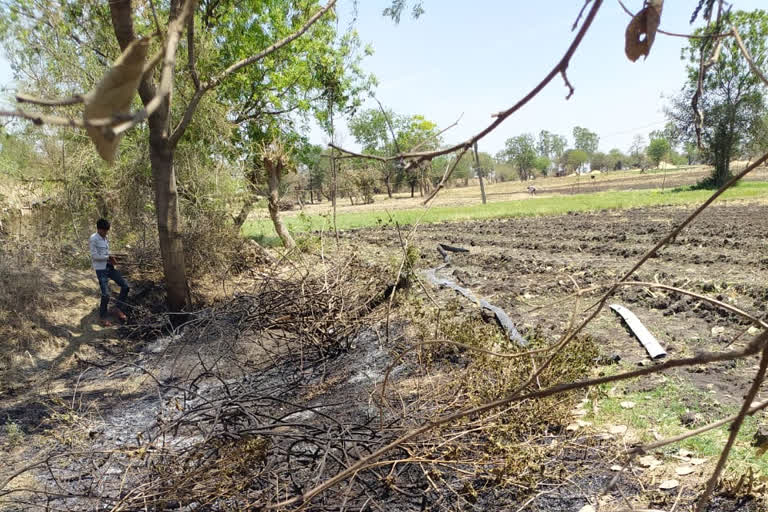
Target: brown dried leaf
point(113, 95)
point(641, 31)
point(668, 484)
point(649, 461)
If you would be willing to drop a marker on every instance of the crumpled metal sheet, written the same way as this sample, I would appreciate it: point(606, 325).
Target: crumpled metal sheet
point(501, 316)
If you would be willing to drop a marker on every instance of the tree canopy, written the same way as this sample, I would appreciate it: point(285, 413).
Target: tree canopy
point(731, 101)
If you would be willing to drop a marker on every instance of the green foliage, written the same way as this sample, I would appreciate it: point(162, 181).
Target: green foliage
point(732, 102)
point(599, 161)
point(541, 164)
point(372, 129)
point(521, 152)
point(657, 150)
point(395, 10)
point(551, 145)
point(615, 160)
point(585, 140)
point(575, 158)
point(486, 166)
point(13, 433)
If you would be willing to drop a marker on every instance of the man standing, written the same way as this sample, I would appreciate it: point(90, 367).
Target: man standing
point(104, 265)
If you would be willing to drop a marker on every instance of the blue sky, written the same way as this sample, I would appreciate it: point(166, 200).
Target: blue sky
point(477, 59)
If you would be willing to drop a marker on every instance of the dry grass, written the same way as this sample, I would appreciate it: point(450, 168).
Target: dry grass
point(25, 292)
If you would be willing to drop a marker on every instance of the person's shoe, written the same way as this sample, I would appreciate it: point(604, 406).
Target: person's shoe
point(119, 314)
point(105, 323)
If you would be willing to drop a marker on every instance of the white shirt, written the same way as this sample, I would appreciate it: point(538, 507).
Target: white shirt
point(99, 247)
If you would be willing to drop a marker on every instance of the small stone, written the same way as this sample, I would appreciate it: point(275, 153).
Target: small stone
point(587, 508)
point(627, 405)
point(753, 330)
point(618, 429)
point(688, 419)
point(684, 470)
point(616, 467)
point(685, 453)
point(760, 439)
point(668, 484)
point(649, 461)
point(718, 330)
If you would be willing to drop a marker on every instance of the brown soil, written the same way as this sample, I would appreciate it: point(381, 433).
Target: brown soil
point(526, 266)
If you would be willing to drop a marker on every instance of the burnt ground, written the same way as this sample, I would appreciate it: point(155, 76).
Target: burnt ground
point(231, 375)
point(526, 266)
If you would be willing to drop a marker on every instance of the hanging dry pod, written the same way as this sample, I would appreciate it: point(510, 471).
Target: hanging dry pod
point(641, 31)
point(113, 95)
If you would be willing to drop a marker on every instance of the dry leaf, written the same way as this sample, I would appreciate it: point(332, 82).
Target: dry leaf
point(718, 330)
point(627, 405)
point(753, 330)
point(684, 470)
point(583, 423)
point(573, 427)
point(696, 462)
point(579, 412)
point(649, 461)
point(616, 467)
point(641, 31)
point(113, 95)
point(668, 484)
point(685, 453)
point(587, 508)
point(617, 429)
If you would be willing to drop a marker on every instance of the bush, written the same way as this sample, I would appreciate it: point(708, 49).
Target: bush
point(25, 293)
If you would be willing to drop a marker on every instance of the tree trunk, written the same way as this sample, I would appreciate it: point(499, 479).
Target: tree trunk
point(389, 187)
point(169, 224)
point(161, 158)
point(241, 217)
point(273, 173)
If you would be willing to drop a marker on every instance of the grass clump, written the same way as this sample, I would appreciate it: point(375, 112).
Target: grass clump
point(14, 435)
point(500, 440)
point(659, 407)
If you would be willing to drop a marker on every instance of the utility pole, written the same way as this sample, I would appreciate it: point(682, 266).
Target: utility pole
point(479, 173)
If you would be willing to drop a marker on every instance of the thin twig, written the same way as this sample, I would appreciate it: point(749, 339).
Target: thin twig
point(500, 117)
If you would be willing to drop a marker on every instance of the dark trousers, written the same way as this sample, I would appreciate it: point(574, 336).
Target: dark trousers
point(104, 276)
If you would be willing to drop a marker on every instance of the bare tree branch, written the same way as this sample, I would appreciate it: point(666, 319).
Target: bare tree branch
point(446, 175)
point(25, 98)
point(757, 344)
point(755, 69)
point(723, 305)
point(438, 134)
point(735, 427)
point(191, 52)
point(559, 68)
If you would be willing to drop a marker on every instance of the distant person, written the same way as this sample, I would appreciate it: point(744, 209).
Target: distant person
point(532, 190)
point(104, 265)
